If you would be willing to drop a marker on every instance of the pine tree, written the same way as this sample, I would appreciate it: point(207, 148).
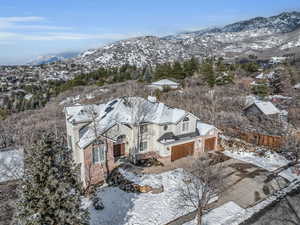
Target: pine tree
point(209, 74)
point(147, 74)
point(50, 191)
point(276, 84)
point(178, 71)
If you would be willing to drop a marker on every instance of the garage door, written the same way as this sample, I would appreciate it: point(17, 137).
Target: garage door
point(209, 144)
point(183, 150)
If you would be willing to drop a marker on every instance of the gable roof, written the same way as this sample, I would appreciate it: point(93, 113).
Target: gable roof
point(128, 111)
point(165, 82)
point(266, 108)
point(204, 128)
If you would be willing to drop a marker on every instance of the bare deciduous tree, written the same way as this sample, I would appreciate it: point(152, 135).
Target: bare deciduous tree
point(93, 115)
point(139, 109)
point(204, 183)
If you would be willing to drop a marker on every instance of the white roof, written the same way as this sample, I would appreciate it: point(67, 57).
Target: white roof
point(165, 82)
point(204, 128)
point(265, 75)
point(266, 107)
point(128, 110)
point(297, 86)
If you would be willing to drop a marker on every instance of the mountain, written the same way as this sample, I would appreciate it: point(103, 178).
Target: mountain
point(52, 58)
point(261, 36)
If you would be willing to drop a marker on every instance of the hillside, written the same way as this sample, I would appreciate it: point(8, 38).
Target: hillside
point(276, 35)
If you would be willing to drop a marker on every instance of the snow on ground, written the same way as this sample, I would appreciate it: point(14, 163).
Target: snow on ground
point(271, 161)
point(11, 165)
point(122, 208)
point(220, 215)
point(152, 180)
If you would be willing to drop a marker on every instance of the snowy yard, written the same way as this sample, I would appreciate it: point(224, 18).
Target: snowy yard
point(221, 215)
point(11, 165)
point(141, 209)
point(271, 161)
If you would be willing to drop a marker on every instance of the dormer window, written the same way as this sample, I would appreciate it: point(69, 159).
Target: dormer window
point(185, 124)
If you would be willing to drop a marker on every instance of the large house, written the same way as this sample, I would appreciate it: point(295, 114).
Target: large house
point(133, 128)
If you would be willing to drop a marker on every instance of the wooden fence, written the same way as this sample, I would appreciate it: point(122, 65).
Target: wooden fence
point(270, 141)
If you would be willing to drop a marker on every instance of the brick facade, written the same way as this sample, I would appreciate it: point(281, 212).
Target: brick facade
point(96, 173)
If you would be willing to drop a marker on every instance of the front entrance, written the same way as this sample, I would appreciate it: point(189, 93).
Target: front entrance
point(183, 150)
point(119, 150)
point(210, 144)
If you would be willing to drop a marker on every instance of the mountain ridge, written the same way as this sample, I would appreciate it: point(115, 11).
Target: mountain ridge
point(262, 36)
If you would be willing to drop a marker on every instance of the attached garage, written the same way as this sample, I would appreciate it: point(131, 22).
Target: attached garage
point(183, 150)
point(210, 144)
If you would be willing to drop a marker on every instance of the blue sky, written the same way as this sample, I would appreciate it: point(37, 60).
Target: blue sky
point(29, 28)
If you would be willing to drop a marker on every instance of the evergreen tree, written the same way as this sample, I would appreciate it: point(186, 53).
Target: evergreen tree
point(148, 74)
point(208, 72)
point(50, 191)
point(276, 84)
point(190, 66)
point(178, 71)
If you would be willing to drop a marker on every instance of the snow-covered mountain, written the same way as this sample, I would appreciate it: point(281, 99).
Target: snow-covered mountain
point(52, 58)
point(261, 36)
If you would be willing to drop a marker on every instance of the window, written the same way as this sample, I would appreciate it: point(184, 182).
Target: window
point(165, 127)
point(144, 146)
point(70, 141)
point(95, 155)
point(185, 124)
point(99, 154)
point(144, 129)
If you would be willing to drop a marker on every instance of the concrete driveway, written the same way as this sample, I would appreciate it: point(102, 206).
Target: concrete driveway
point(246, 184)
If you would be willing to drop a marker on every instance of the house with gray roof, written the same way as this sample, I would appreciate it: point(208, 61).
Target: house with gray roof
point(261, 108)
point(165, 83)
point(133, 128)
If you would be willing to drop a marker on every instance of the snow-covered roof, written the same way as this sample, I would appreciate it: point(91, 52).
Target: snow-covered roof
point(204, 128)
point(81, 113)
point(297, 86)
point(265, 75)
point(249, 99)
point(266, 107)
point(128, 110)
point(165, 82)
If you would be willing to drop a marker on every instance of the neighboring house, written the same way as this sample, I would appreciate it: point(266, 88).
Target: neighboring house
point(261, 108)
point(133, 128)
point(297, 86)
point(165, 83)
point(265, 76)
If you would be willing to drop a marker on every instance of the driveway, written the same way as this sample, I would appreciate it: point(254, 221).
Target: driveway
point(246, 184)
